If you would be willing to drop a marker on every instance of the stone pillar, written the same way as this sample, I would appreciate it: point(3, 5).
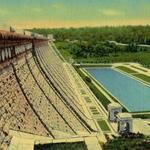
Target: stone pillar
point(113, 110)
point(125, 122)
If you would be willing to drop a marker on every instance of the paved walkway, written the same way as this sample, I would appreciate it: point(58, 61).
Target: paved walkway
point(122, 44)
point(140, 126)
point(92, 143)
point(25, 141)
point(92, 101)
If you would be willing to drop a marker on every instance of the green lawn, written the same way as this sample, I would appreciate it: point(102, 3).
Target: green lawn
point(94, 110)
point(61, 146)
point(88, 100)
point(82, 92)
point(138, 75)
point(100, 96)
point(103, 125)
point(63, 47)
point(139, 68)
point(128, 142)
point(95, 65)
point(143, 116)
point(140, 57)
point(143, 77)
point(126, 69)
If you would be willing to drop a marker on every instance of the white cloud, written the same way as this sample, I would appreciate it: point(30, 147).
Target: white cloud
point(111, 12)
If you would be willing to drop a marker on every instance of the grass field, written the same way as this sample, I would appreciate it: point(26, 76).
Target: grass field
point(139, 57)
point(100, 96)
point(131, 141)
point(143, 77)
point(94, 110)
point(103, 125)
point(63, 47)
point(139, 68)
point(126, 69)
point(138, 75)
point(143, 116)
point(95, 65)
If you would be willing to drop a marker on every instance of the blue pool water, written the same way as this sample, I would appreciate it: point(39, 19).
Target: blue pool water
point(134, 95)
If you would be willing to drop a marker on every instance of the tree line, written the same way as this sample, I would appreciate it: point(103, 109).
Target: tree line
point(123, 34)
point(93, 44)
point(101, 49)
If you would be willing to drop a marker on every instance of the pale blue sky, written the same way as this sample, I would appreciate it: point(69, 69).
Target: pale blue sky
point(65, 13)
